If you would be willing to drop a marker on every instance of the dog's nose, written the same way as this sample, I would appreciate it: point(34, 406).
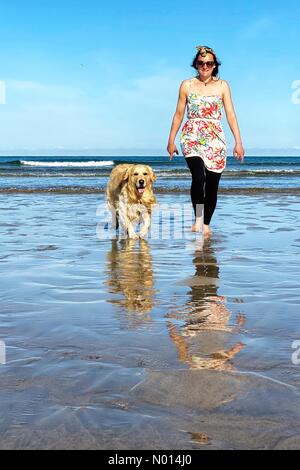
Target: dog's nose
point(141, 181)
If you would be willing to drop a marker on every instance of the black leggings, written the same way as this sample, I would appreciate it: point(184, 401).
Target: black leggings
point(204, 188)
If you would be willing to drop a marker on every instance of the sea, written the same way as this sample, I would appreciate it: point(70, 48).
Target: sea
point(90, 174)
point(167, 342)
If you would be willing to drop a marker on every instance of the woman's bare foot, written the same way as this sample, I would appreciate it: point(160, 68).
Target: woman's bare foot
point(206, 231)
point(197, 226)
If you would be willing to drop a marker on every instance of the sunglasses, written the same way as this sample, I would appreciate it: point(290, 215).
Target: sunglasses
point(209, 63)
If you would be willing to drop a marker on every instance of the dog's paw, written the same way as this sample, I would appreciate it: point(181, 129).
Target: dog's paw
point(133, 236)
point(143, 233)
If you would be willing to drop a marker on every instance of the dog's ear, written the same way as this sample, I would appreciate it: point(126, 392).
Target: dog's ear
point(152, 174)
point(126, 174)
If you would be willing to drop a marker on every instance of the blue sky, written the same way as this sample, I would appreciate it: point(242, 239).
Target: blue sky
point(105, 75)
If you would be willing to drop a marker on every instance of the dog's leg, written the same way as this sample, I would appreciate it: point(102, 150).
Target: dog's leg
point(130, 231)
point(125, 221)
point(146, 224)
point(114, 218)
point(111, 206)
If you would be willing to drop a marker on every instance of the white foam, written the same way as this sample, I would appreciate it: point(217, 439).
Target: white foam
point(66, 164)
point(262, 170)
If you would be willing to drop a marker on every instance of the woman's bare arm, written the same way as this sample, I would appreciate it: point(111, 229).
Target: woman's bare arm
point(177, 118)
point(238, 150)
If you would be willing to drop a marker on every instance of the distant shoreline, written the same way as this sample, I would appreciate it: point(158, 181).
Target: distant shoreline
point(85, 190)
point(80, 153)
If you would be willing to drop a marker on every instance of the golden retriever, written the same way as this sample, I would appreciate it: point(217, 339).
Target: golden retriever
point(130, 197)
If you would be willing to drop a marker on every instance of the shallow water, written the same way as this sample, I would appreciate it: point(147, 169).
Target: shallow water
point(115, 344)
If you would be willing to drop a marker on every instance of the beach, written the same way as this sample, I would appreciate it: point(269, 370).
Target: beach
point(162, 343)
point(153, 348)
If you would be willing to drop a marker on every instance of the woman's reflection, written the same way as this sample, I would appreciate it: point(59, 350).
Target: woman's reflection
point(206, 317)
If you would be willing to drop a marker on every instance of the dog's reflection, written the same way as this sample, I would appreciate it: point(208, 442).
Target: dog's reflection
point(206, 317)
point(129, 273)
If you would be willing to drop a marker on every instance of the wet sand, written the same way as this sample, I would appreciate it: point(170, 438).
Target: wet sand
point(154, 344)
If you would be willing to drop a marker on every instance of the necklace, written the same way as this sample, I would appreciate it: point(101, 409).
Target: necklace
point(205, 83)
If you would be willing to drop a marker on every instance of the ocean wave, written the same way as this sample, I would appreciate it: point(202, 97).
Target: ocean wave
point(91, 163)
point(162, 190)
point(54, 174)
point(10, 162)
point(232, 173)
point(172, 173)
point(60, 171)
point(261, 170)
point(32, 172)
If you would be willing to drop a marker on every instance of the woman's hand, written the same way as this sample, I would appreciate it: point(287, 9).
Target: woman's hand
point(172, 149)
point(238, 152)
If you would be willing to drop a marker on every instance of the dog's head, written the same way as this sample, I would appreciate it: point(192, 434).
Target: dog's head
point(139, 177)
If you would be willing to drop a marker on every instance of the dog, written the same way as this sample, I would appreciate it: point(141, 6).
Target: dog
point(130, 197)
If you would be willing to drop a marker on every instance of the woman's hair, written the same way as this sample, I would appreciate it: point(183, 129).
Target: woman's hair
point(202, 51)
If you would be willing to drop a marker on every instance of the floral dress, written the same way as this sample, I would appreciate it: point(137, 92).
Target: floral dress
point(202, 134)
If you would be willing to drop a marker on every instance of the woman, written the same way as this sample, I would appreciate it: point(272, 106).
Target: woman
point(202, 137)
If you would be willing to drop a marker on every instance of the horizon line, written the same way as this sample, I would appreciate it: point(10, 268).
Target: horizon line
point(133, 152)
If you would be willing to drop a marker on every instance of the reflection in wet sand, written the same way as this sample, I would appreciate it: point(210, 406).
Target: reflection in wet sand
point(205, 311)
point(129, 273)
